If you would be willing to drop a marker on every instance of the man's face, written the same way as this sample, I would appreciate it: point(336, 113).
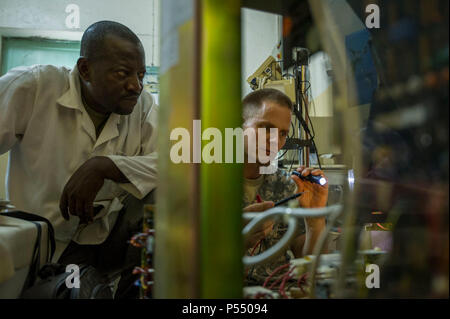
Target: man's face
point(114, 82)
point(270, 115)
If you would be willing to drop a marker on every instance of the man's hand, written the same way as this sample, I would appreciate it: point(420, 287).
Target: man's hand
point(80, 191)
point(315, 195)
point(262, 230)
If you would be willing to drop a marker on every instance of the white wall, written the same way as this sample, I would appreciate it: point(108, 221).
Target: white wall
point(47, 18)
point(261, 32)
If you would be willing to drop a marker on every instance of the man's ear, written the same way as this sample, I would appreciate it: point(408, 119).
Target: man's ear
point(83, 68)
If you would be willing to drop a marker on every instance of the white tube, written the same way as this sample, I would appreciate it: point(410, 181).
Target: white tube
point(277, 212)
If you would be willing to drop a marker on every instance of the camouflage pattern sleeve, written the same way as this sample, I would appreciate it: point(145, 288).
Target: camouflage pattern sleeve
point(274, 188)
point(277, 186)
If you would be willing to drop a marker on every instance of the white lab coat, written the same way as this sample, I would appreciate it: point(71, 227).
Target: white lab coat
point(45, 126)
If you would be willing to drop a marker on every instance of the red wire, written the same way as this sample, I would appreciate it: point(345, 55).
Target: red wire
point(384, 228)
point(256, 246)
point(301, 280)
point(274, 272)
point(259, 200)
point(252, 252)
point(283, 283)
point(276, 281)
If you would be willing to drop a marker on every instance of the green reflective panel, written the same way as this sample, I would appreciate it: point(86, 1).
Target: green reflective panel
point(221, 183)
point(29, 51)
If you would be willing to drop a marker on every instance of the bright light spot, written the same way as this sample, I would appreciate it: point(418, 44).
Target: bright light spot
point(351, 179)
point(322, 181)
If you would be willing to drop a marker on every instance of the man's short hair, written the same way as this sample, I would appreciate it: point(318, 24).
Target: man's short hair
point(254, 101)
point(92, 42)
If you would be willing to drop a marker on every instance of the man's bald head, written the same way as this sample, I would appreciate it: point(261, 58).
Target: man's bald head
point(93, 40)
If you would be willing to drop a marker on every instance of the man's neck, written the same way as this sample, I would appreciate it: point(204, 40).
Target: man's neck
point(87, 101)
point(251, 170)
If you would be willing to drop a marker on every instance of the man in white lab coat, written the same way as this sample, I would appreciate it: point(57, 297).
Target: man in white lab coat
point(81, 141)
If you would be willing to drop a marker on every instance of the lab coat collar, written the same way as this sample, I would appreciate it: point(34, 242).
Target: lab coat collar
point(72, 99)
point(109, 131)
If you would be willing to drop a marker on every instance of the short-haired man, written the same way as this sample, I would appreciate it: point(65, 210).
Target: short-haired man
point(270, 108)
point(81, 140)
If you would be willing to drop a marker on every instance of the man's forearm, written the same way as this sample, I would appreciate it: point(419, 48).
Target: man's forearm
point(304, 244)
point(109, 170)
point(314, 227)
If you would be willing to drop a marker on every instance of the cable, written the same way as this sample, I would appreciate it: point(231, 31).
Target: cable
point(256, 218)
point(251, 254)
point(261, 242)
point(317, 251)
point(275, 250)
point(286, 277)
point(255, 246)
point(302, 280)
point(298, 99)
point(293, 134)
point(298, 113)
point(292, 163)
point(309, 118)
point(310, 122)
point(281, 156)
point(313, 103)
point(317, 154)
point(274, 272)
point(314, 133)
point(293, 214)
point(278, 280)
point(305, 126)
point(383, 228)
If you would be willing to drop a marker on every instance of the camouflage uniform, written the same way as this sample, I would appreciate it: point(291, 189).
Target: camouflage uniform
point(275, 187)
